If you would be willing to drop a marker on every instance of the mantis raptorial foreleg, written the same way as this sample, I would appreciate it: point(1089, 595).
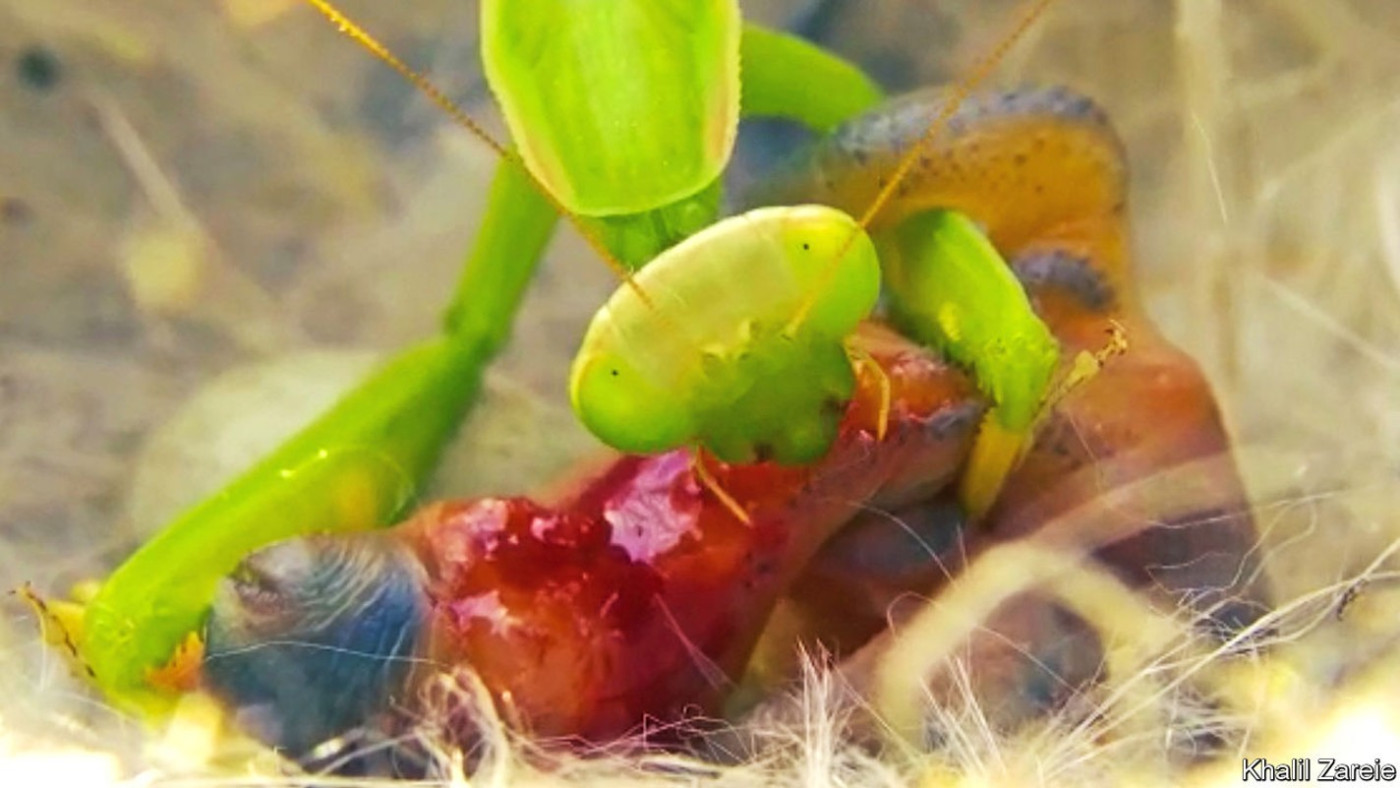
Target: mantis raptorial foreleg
point(384, 436)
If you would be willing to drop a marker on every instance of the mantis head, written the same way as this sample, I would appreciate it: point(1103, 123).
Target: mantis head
point(741, 346)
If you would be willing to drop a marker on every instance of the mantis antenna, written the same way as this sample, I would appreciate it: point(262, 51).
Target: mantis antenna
point(359, 35)
point(964, 87)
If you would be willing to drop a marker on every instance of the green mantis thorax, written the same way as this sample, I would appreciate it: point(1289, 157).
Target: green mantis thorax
point(661, 130)
point(640, 160)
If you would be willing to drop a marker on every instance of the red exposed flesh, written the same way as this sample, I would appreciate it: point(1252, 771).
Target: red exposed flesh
point(641, 595)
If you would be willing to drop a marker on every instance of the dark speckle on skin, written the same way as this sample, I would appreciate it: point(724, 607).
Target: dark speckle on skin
point(867, 142)
point(15, 211)
point(38, 69)
point(764, 567)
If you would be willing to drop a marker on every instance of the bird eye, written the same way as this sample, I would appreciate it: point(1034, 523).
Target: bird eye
point(256, 588)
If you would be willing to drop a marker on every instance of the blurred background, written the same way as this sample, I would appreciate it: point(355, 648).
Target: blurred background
point(215, 215)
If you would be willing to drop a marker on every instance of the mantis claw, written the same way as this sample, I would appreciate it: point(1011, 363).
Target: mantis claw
point(994, 456)
point(999, 449)
point(863, 362)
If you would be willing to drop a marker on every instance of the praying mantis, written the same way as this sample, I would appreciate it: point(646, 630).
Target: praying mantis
point(353, 468)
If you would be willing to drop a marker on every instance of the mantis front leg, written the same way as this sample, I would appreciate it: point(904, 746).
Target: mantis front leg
point(379, 444)
point(1029, 170)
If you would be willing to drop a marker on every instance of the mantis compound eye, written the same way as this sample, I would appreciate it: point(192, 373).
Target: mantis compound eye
point(307, 638)
point(625, 404)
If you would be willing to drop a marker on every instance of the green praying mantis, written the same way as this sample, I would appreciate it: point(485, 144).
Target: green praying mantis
point(637, 171)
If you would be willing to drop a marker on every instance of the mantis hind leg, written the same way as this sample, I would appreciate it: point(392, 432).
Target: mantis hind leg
point(60, 625)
